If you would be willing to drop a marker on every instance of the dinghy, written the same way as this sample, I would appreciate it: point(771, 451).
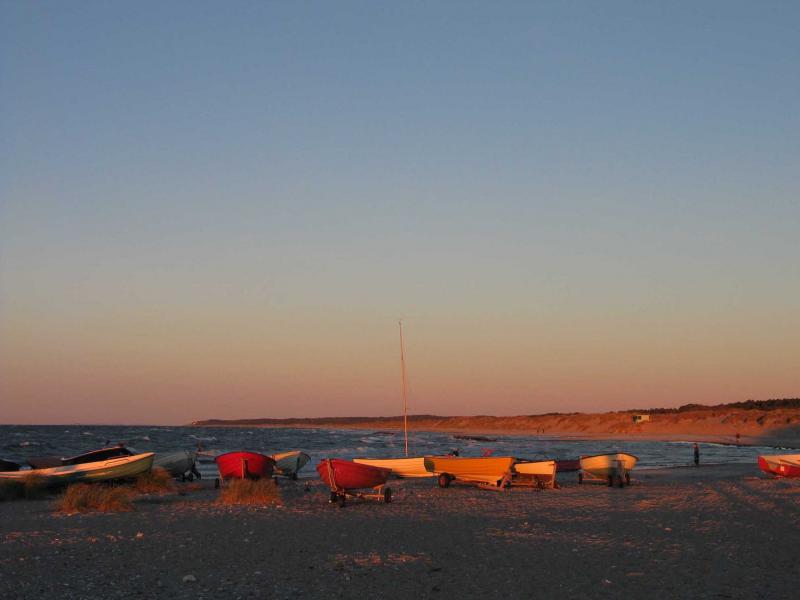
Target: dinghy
point(8, 465)
point(244, 465)
point(113, 469)
point(782, 465)
point(400, 467)
point(289, 464)
point(611, 468)
point(345, 477)
point(540, 473)
point(491, 470)
point(47, 462)
point(177, 464)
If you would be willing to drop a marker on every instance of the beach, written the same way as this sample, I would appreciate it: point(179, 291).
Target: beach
point(709, 532)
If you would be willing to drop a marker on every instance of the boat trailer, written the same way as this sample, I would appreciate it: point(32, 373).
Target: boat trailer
point(618, 477)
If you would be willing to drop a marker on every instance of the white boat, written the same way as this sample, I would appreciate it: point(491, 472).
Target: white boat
point(541, 472)
point(607, 467)
point(123, 467)
point(400, 467)
point(177, 464)
point(289, 463)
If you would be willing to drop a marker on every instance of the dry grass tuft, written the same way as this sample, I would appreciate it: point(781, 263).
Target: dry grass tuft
point(31, 487)
point(248, 491)
point(156, 481)
point(87, 497)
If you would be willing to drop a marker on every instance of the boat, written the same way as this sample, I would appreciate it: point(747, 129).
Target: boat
point(611, 468)
point(113, 469)
point(400, 467)
point(474, 438)
point(242, 464)
point(541, 473)
point(782, 465)
point(491, 470)
point(178, 464)
point(289, 463)
point(345, 477)
point(47, 462)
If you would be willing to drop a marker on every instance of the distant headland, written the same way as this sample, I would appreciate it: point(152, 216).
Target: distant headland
point(769, 422)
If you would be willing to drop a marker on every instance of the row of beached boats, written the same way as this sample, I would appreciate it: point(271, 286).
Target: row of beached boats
point(116, 463)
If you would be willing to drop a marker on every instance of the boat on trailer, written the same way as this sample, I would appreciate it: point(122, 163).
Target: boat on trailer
point(613, 468)
point(242, 464)
point(113, 469)
point(346, 477)
point(403, 468)
point(780, 465)
point(494, 471)
point(541, 473)
point(289, 463)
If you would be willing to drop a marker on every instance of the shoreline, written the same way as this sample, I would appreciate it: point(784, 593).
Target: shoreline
point(566, 436)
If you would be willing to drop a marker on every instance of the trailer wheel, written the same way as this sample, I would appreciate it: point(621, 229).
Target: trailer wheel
point(334, 496)
point(444, 480)
point(627, 478)
point(387, 495)
point(341, 500)
point(294, 476)
point(610, 481)
point(580, 478)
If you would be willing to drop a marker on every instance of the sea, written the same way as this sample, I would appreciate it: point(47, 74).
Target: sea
point(20, 442)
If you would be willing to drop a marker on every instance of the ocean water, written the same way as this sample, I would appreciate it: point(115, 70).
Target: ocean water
point(20, 442)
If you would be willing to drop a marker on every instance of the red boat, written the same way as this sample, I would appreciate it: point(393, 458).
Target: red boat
point(344, 476)
point(244, 465)
point(782, 465)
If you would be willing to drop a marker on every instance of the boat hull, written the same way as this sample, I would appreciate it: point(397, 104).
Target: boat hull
point(175, 463)
point(400, 467)
point(114, 469)
point(244, 465)
point(490, 470)
point(289, 464)
point(542, 472)
point(782, 465)
point(604, 466)
point(344, 475)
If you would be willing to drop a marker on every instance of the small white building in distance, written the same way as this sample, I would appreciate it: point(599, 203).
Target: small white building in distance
point(641, 418)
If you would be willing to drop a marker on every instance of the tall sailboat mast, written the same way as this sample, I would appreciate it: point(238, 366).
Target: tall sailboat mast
point(405, 384)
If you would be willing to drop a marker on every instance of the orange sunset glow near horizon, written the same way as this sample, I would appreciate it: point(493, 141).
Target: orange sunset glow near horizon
point(223, 214)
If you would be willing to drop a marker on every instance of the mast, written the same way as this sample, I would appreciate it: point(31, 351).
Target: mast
point(405, 384)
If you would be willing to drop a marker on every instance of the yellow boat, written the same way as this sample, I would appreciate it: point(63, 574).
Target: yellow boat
point(542, 472)
point(489, 470)
point(607, 467)
point(121, 467)
point(400, 467)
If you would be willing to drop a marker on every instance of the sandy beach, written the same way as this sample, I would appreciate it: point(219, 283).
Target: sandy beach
point(707, 532)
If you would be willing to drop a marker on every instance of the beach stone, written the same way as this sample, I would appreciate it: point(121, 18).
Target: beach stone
point(188, 578)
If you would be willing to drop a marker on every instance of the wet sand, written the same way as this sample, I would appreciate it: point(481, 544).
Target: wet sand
point(708, 532)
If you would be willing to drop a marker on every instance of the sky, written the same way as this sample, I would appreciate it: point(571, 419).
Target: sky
point(221, 210)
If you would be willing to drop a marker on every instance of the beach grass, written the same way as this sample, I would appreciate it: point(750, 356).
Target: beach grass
point(252, 492)
point(86, 497)
point(155, 481)
point(31, 487)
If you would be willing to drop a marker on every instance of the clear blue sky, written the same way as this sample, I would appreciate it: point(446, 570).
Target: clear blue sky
point(538, 184)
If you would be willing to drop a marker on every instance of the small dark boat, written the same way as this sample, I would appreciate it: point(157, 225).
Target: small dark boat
point(8, 465)
point(563, 466)
point(475, 438)
point(48, 462)
point(345, 476)
point(242, 464)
